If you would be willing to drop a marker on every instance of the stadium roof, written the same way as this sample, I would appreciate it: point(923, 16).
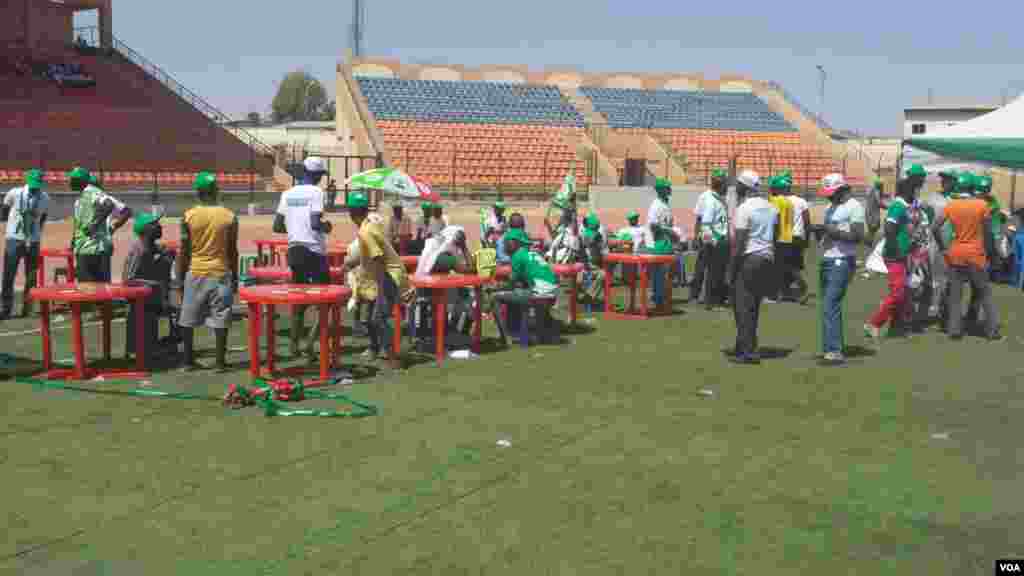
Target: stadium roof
point(953, 105)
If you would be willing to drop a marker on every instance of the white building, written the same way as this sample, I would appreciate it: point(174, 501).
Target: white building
point(925, 119)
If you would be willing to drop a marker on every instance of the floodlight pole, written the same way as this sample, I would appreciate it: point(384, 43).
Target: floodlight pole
point(822, 76)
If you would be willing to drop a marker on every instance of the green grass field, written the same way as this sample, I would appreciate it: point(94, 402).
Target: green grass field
point(902, 462)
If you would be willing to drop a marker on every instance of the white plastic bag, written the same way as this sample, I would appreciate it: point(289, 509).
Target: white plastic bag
point(875, 261)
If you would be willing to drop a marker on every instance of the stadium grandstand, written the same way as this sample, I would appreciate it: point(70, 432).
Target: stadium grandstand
point(462, 128)
point(82, 96)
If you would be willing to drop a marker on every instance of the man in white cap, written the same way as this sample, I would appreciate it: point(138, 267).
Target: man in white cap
point(300, 214)
point(842, 232)
point(752, 271)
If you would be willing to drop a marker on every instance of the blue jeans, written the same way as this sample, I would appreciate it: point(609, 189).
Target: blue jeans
point(657, 275)
point(836, 274)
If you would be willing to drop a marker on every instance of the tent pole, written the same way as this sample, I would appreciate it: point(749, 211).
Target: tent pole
point(1013, 189)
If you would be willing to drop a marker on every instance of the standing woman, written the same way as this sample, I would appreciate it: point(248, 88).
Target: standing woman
point(661, 237)
point(843, 231)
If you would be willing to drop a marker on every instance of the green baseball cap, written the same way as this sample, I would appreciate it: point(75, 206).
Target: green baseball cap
point(983, 183)
point(633, 215)
point(965, 181)
point(358, 199)
point(34, 178)
point(662, 184)
point(778, 183)
point(205, 182)
point(93, 179)
point(917, 171)
point(143, 219)
point(499, 204)
point(518, 235)
point(591, 222)
point(786, 174)
point(719, 174)
point(948, 173)
point(80, 174)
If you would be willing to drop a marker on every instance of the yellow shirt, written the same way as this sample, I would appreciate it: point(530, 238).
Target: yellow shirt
point(785, 209)
point(374, 244)
point(208, 228)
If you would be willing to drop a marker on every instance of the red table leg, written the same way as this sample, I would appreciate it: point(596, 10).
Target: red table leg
point(325, 343)
point(440, 297)
point(643, 289)
point(607, 290)
point(271, 339)
point(254, 340)
point(76, 341)
point(259, 254)
point(478, 295)
point(572, 300)
point(396, 335)
point(71, 269)
point(140, 331)
point(44, 330)
point(107, 313)
point(632, 288)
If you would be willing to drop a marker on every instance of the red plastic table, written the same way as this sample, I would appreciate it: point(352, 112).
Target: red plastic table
point(567, 271)
point(438, 284)
point(59, 253)
point(329, 300)
point(281, 275)
point(103, 294)
point(411, 262)
point(275, 246)
point(643, 263)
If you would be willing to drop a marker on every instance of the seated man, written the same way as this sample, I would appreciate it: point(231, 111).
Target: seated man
point(148, 264)
point(531, 277)
point(515, 222)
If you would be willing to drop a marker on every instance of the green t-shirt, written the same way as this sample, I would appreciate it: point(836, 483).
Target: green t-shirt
point(531, 269)
point(996, 211)
point(899, 214)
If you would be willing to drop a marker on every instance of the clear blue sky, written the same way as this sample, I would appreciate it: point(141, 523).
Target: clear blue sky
point(880, 56)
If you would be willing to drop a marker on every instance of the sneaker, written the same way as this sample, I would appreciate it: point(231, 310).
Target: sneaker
point(872, 332)
point(746, 360)
point(770, 301)
point(834, 358)
point(997, 337)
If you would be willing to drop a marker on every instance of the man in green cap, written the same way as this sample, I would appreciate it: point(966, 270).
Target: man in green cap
point(24, 208)
point(148, 264)
point(785, 277)
point(383, 264)
point(801, 234)
point(207, 270)
point(492, 224)
point(983, 188)
point(531, 277)
point(660, 237)
point(712, 235)
point(595, 247)
point(97, 215)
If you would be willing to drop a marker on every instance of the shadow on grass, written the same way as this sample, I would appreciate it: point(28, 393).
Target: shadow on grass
point(765, 352)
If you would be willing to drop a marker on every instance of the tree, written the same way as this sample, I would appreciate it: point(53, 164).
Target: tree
point(300, 97)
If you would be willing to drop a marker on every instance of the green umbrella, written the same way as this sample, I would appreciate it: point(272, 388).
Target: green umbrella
point(389, 180)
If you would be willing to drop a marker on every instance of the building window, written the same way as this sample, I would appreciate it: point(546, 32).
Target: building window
point(917, 128)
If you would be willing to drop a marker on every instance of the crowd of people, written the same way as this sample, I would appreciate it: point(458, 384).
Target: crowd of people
point(746, 256)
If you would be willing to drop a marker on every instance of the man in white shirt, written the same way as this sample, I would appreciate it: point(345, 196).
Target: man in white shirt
point(801, 231)
point(660, 239)
point(24, 208)
point(843, 232)
point(300, 214)
point(712, 234)
point(752, 274)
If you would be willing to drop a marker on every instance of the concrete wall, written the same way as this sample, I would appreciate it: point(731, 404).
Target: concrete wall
point(936, 119)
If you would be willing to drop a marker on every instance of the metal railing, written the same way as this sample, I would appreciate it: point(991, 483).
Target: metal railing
point(818, 120)
point(193, 99)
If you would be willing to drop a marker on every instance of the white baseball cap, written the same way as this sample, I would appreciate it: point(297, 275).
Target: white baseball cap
point(314, 164)
point(749, 178)
point(830, 184)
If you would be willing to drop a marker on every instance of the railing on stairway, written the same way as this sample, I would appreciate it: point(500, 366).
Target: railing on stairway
point(818, 120)
point(215, 115)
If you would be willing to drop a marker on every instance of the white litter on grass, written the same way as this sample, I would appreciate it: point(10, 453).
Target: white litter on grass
point(99, 379)
point(504, 443)
point(136, 420)
point(462, 355)
point(940, 436)
point(705, 392)
point(146, 383)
